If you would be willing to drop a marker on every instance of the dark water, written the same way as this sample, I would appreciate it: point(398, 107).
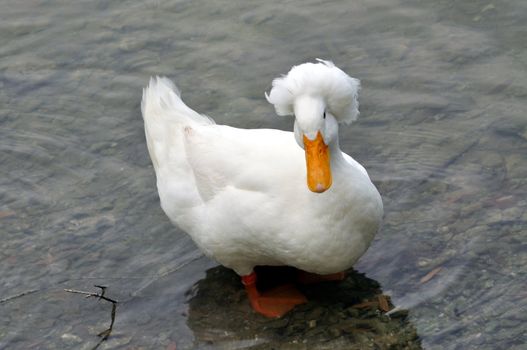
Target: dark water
point(443, 133)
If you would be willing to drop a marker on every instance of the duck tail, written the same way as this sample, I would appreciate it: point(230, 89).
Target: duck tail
point(165, 116)
point(162, 98)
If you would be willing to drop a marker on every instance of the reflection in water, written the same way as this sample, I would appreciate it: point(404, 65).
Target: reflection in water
point(339, 314)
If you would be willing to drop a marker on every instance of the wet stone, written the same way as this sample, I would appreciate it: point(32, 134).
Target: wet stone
point(491, 160)
point(315, 313)
point(70, 339)
point(280, 323)
point(299, 315)
point(143, 318)
point(510, 214)
point(353, 312)
point(335, 332)
point(400, 313)
point(516, 165)
point(320, 321)
point(116, 342)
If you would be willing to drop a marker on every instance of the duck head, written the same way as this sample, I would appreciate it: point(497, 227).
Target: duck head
point(319, 96)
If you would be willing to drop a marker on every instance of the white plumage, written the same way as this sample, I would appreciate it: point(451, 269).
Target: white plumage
point(324, 79)
point(241, 194)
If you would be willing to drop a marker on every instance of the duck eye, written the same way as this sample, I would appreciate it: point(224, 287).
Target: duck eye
point(324, 114)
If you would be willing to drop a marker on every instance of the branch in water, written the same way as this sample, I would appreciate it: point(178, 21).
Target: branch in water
point(5, 300)
point(106, 333)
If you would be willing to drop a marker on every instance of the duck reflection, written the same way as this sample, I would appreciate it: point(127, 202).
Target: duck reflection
point(350, 314)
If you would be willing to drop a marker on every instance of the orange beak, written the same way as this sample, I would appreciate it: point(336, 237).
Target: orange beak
point(318, 164)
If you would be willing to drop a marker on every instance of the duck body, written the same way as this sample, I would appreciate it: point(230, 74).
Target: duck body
point(241, 194)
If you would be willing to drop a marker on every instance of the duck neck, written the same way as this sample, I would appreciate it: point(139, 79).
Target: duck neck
point(336, 153)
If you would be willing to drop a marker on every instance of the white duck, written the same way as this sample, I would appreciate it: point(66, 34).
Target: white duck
point(241, 194)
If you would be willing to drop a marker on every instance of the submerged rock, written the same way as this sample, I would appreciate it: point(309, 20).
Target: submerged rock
point(338, 315)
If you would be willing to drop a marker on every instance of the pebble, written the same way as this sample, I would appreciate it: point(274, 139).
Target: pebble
point(316, 313)
point(423, 262)
point(143, 318)
point(493, 216)
point(516, 165)
point(513, 213)
point(279, 323)
point(491, 160)
point(335, 332)
point(353, 312)
point(70, 338)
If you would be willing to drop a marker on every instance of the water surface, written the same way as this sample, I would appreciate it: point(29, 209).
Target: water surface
point(442, 132)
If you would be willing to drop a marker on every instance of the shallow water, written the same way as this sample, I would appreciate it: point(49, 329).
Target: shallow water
point(442, 131)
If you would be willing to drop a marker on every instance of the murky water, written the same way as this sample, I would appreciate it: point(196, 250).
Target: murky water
point(443, 133)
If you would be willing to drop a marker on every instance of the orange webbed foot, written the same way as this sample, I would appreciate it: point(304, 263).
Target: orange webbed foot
point(273, 303)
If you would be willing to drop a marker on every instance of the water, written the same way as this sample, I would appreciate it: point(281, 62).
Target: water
point(442, 131)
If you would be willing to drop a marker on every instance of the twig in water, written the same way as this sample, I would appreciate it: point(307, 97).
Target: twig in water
point(27, 292)
point(106, 333)
point(430, 275)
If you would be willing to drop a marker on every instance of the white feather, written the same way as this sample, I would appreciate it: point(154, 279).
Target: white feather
point(242, 194)
point(324, 79)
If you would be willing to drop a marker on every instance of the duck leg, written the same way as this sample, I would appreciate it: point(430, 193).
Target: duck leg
point(305, 277)
point(275, 302)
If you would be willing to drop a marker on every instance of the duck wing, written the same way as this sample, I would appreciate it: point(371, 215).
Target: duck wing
point(258, 160)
